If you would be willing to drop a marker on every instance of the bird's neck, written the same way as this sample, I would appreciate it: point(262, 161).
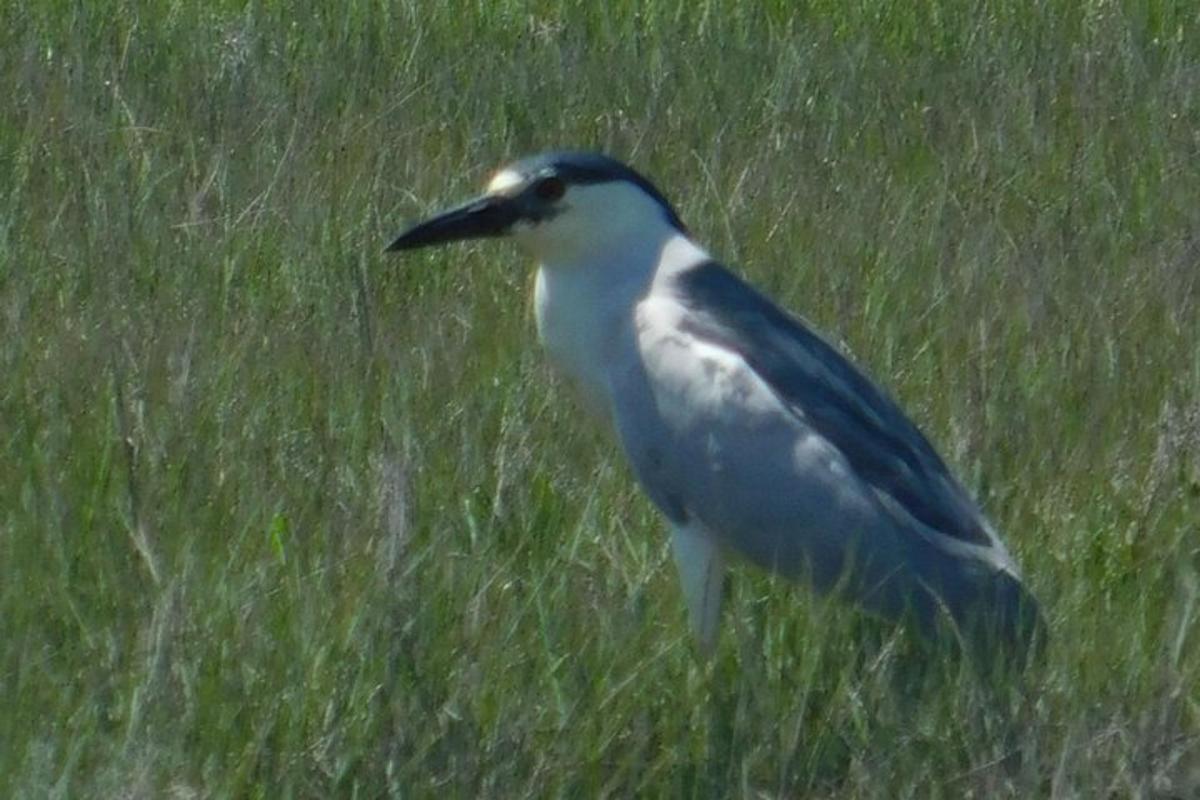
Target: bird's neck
point(585, 309)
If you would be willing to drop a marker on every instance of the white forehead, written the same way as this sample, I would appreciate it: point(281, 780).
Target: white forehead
point(504, 179)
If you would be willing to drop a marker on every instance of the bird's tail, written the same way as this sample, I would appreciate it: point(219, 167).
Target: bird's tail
point(1000, 621)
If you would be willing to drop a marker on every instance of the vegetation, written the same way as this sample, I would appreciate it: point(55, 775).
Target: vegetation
point(283, 517)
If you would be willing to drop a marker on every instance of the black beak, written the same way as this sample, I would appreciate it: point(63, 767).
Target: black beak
point(480, 218)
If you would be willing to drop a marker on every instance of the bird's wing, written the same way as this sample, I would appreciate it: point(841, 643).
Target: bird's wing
point(837, 401)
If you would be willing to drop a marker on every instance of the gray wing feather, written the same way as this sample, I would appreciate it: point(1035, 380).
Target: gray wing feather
point(883, 447)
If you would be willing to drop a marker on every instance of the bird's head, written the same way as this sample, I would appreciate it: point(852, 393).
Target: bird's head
point(563, 208)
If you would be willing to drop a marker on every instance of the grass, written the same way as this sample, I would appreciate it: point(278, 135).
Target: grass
point(283, 517)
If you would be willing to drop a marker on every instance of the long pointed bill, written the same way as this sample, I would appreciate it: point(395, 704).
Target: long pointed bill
point(480, 218)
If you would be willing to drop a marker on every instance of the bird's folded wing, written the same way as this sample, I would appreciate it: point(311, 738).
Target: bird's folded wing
point(835, 399)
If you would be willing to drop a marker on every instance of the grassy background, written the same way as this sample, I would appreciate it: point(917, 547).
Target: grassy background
point(281, 516)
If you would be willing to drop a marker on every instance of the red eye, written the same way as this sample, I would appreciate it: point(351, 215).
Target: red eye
point(550, 188)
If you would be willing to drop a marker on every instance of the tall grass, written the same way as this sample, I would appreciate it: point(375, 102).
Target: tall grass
point(280, 516)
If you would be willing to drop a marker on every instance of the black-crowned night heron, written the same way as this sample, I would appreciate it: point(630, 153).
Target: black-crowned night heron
point(748, 431)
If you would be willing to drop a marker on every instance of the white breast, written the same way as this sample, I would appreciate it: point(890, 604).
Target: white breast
point(585, 312)
point(576, 331)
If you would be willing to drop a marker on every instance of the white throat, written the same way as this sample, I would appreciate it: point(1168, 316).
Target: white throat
point(585, 310)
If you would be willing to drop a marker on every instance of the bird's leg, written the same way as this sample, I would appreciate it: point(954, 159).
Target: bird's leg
point(701, 572)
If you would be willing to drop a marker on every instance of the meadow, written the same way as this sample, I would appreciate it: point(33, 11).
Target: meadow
point(284, 516)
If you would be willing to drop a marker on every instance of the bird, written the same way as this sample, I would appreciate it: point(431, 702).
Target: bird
point(752, 434)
